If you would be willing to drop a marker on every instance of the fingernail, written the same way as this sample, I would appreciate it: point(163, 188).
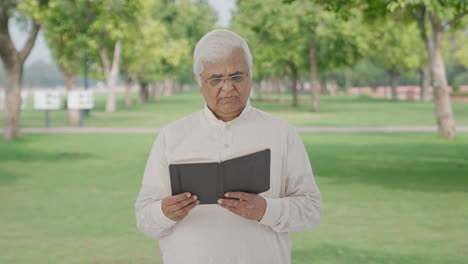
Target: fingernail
point(227, 194)
point(220, 201)
point(194, 197)
point(188, 194)
point(198, 202)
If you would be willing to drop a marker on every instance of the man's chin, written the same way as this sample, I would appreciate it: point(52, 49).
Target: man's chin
point(230, 109)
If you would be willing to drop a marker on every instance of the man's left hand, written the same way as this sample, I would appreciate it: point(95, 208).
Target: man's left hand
point(248, 205)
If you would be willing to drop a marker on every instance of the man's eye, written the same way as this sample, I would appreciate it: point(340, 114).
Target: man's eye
point(216, 81)
point(237, 78)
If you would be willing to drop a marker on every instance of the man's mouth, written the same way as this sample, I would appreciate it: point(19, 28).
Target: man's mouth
point(228, 99)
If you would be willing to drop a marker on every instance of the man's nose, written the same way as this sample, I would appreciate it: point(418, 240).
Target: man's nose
point(228, 84)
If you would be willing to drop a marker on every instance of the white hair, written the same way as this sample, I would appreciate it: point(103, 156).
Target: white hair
point(216, 45)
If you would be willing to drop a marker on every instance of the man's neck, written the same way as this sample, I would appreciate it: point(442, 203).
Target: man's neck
point(227, 118)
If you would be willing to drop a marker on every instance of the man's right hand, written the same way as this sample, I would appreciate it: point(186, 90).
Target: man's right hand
point(178, 206)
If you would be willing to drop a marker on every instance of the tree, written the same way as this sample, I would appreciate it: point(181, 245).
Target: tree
point(32, 12)
point(187, 21)
point(301, 36)
point(65, 33)
point(148, 44)
point(163, 45)
point(273, 32)
point(434, 18)
point(441, 16)
point(333, 42)
point(110, 22)
point(395, 47)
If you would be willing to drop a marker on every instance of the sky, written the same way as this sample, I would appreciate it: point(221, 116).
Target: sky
point(42, 52)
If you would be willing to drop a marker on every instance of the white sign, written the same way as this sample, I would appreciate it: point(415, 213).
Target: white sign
point(24, 100)
point(83, 99)
point(46, 100)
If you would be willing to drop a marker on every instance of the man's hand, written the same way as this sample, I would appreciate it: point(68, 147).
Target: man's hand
point(250, 206)
point(178, 206)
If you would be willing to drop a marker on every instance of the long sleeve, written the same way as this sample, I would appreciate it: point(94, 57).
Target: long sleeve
point(301, 205)
point(150, 219)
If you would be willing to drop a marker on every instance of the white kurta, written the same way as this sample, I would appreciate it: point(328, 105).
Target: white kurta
point(210, 233)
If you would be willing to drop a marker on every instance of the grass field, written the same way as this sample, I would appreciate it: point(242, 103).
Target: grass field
point(388, 198)
point(335, 111)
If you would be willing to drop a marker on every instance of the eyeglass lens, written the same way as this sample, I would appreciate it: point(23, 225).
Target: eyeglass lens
point(216, 81)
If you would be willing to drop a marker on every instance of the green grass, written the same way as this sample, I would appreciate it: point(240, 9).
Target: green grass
point(388, 198)
point(342, 110)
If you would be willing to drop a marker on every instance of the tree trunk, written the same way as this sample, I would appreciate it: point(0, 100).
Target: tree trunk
point(314, 83)
point(333, 87)
point(111, 72)
point(12, 109)
point(347, 79)
point(424, 82)
point(263, 88)
point(394, 80)
point(156, 92)
point(293, 83)
point(323, 86)
point(128, 94)
point(282, 90)
point(276, 86)
point(130, 83)
point(13, 61)
point(443, 105)
point(269, 87)
point(177, 87)
point(73, 114)
point(144, 93)
point(169, 87)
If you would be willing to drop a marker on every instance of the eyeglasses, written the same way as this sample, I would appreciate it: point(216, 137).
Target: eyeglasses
point(216, 82)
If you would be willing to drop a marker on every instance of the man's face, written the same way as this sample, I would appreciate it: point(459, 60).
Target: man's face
point(226, 97)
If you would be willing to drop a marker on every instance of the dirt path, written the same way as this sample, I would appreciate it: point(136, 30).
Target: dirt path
point(144, 130)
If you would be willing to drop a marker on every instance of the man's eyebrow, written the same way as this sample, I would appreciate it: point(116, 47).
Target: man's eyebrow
point(215, 76)
point(236, 73)
point(220, 75)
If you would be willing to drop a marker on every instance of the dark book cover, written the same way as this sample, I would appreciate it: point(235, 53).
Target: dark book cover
point(211, 180)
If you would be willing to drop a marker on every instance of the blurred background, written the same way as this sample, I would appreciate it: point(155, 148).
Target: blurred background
point(378, 90)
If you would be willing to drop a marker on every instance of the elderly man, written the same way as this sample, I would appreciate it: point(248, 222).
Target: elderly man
point(242, 227)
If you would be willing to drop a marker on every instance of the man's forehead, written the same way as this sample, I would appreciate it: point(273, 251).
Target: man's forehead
point(225, 69)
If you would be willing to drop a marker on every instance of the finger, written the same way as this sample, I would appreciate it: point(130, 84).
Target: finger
point(241, 195)
point(177, 198)
point(233, 202)
point(182, 203)
point(184, 211)
point(229, 202)
point(236, 210)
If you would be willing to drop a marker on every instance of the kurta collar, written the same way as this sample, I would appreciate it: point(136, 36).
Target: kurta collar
point(211, 118)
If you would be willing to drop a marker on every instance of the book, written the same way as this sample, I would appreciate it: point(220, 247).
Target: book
point(211, 180)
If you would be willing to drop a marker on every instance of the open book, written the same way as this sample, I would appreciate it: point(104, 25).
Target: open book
point(211, 180)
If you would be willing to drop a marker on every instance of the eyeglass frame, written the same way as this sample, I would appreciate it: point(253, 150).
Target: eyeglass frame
point(223, 79)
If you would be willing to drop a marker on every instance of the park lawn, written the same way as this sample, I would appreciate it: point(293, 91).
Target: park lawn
point(388, 198)
point(344, 110)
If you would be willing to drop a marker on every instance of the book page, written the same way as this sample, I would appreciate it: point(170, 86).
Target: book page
point(244, 152)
